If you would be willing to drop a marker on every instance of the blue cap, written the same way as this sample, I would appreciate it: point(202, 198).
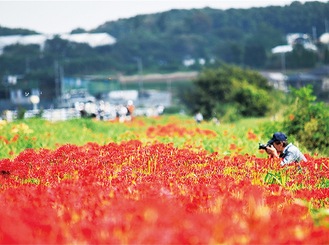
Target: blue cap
point(278, 136)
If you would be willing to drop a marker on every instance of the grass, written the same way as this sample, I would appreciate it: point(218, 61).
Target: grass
point(232, 138)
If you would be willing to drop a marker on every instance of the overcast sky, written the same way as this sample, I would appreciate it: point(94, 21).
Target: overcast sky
point(56, 17)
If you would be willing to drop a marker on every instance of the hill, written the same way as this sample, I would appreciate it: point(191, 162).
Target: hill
point(179, 40)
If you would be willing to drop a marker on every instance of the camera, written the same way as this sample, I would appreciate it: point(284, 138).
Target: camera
point(263, 146)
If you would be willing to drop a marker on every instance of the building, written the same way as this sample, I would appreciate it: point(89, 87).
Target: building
point(318, 78)
point(16, 91)
point(276, 79)
point(92, 39)
point(294, 39)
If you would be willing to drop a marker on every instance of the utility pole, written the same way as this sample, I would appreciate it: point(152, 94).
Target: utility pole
point(61, 80)
point(314, 34)
point(283, 62)
point(57, 80)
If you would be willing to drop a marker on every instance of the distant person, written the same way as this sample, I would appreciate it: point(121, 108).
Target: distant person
point(215, 121)
point(198, 117)
point(123, 111)
point(101, 110)
point(130, 110)
point(278, 147)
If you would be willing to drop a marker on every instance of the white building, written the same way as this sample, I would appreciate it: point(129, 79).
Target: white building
point(293, 39)
point(92, 39)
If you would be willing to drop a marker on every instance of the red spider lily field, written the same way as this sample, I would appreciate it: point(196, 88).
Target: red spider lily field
point(155, 181)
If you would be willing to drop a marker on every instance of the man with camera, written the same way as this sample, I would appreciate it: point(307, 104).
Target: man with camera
point(278, 147)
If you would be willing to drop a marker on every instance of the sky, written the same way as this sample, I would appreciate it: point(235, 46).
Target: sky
point(59, 17)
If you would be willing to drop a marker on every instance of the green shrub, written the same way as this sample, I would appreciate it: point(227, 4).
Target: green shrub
point(173, 109)
point(228, 112)
point(308, 120)
point(246, 89)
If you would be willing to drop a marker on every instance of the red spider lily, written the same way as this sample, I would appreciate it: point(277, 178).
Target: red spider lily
point(233, 147)
point(4, 139)
point(155, 193)
point(15, 138)
point(251, 135)
point(171, 130)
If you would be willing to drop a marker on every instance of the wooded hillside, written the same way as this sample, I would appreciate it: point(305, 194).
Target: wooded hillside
point(162, 41)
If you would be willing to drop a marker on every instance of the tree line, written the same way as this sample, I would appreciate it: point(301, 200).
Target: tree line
point(242, 37)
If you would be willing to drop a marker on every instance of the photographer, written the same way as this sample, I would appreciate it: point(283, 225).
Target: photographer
point(278, 147)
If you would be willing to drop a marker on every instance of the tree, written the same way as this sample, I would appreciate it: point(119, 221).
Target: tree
point(78, 30)
point(235, 36)
point(301, 57)
point(254, 55)
point(245, 90)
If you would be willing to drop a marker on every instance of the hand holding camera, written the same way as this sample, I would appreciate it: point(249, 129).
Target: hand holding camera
point(263, 146)
point(269, 148)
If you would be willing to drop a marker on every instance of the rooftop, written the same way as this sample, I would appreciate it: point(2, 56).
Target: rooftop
point(92, 39)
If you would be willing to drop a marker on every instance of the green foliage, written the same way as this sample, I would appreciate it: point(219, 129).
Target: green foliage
point(252, 100)
point(281, 177)
point(173, 110)
point(255, 55)
point(301, 58)
point(238, 36)
point(266, 130)
point(4, 31)
point(227, 113)
point(308, 120)
point(218, 90)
